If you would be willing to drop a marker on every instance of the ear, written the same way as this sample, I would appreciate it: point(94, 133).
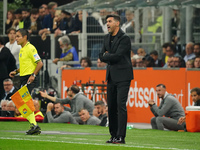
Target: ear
point(118, 23)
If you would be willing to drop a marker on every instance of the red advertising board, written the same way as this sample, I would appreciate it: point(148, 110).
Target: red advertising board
point(177, 81)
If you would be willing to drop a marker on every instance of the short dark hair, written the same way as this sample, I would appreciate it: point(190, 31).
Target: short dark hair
point(18, 11)
point(74, 88)
point(196, 57)
point(82, 110)
point(34, 11)
point(197, 44)
point(165, 45)
point(10, 29)
point(59, 103)
point(87, 59)
point(196, 89)
point(154, 53)
point(24, 32)
point(161, 85)
point(179, 58)
point(66, 12)
point(101, 103)
point(115, 16)
point(172, 47)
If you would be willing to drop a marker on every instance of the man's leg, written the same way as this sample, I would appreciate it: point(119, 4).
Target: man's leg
point(122, 96)
point(153, 123)
point(112, 108)
point(168, 123)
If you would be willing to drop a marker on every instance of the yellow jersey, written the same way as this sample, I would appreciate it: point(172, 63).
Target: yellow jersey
point(28, 58)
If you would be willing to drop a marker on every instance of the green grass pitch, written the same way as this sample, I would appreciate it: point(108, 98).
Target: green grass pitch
point(56, 136)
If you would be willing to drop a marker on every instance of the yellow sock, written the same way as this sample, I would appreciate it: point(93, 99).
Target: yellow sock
point(31, 118)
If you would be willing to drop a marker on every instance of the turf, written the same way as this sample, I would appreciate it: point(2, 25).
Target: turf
point(79, 137)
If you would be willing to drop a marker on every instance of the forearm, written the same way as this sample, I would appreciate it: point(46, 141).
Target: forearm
point(38, 67)
point(51, 98)
point(67, 58)
point(50, 117)
point(62, 101)
point(112, 58)
point(163, 110)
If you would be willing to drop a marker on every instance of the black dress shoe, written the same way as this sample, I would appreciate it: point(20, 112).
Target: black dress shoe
point(111, 140)
point(119, 140)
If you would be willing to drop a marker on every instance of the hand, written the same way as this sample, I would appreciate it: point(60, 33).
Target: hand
point(12, 74)
point(49, 107)
point(56, 60)
point(181, 120)
point(95, 113)
point(151, 102)
point(15, 22)
point(44, 94)
point(62, 67)
point(7, 21)
point(30, 79)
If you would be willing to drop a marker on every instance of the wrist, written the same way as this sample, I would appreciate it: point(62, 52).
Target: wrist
point(33, 75)
point(151, 104)
point(16, 70)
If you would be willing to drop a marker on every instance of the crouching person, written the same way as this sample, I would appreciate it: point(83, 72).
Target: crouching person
point(87, 119)
point(61, 116)
point(168, 113)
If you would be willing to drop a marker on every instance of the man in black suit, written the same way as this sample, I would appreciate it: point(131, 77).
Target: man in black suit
point(116, 53)
point(9, 88)
point(7, 62)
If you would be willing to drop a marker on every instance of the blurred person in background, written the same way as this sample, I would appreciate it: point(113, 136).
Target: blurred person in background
point(4, 104)
point(128, 26)
point(158, 62)
point(100, 64)
point(197, 62)
point(170, 62)
point(100, 112)
point(87, 119)
point(10, 19)
point(85, 62)
point(190, 63)
point(37, 112)
point(12, 45)
point(189, 50)
point(197, 49)
point(18, 23)
point(9, 88)
point(7, 63)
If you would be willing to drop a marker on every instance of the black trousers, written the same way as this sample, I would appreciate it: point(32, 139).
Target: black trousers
point(117, 94)
point(23, 81)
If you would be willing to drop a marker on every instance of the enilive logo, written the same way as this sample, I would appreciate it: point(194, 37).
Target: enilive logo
point(24, 110)
point(25, 94)
point(139, 96)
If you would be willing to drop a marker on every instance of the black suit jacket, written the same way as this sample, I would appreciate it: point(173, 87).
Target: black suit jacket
point(10, 94)
point(5, 56)
point(119, 66)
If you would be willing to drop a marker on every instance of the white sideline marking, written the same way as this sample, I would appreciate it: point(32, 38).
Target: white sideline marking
point(21, 139)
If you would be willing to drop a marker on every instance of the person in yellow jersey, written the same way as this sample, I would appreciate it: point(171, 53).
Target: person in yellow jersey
point(29, 65)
